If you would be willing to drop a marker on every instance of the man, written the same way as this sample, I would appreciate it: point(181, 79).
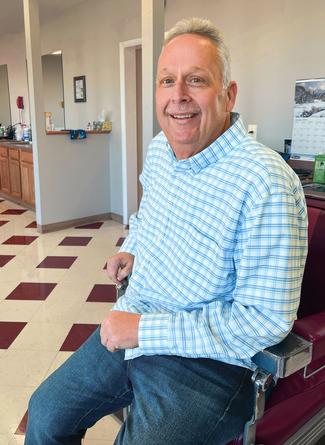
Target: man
point(216, 252)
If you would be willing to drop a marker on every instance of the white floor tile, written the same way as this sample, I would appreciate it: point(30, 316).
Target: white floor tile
point(41, 337)
point(13, 403)
point(18, 310)
point(24, 368)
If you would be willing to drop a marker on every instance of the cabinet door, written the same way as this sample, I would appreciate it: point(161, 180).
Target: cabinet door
point(27, 182)
point(14, 168)
point(4, 174)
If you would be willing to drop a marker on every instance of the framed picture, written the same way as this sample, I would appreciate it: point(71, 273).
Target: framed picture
point(79, 87)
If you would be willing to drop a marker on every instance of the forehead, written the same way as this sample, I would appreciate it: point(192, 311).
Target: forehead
point(189, 50)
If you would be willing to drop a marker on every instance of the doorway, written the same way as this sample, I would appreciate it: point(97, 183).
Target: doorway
point(131, 124)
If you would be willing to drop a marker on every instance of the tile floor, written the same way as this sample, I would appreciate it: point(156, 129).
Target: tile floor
point(53, 293)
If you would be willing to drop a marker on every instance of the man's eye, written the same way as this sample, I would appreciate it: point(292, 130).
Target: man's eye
point(196, 80)
point(167, 81)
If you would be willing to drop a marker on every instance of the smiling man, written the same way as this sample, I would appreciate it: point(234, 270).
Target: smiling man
point(193, 103)
point(215, 258)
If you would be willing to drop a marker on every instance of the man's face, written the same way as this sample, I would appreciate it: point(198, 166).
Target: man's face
point(192, 106)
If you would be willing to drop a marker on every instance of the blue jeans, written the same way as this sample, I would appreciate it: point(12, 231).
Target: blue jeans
point(174, 400)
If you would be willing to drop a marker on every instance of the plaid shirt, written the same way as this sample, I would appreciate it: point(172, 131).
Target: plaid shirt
point(220, 242)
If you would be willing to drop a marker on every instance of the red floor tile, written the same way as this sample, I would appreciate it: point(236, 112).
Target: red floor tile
point(20, 239)
point(119, 242)
point(21, 430)
point(13, 212)
point(32, 225)
point(95, 225)
point(4, 259)
point(103, 293)
point(9, 330)
point(75, 241)
point(31, 291)
point(2, 223)
point(57, 262)
point(77, 336)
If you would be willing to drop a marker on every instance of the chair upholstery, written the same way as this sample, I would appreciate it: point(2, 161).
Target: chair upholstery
point(297, 403)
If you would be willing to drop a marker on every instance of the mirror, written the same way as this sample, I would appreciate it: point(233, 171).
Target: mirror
point(52, 68)
point(5, 112)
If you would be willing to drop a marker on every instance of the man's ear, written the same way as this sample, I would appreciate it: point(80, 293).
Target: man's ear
point(231, 95)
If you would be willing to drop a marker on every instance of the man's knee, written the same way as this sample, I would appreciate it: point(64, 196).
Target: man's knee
point(41, 415)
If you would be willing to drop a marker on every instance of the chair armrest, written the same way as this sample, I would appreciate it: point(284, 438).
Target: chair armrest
point(121, 288)
point(290, 355)
point(312, 328)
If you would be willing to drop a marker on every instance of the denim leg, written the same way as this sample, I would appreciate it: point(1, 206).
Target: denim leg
point(91, 384)
point(181, 401)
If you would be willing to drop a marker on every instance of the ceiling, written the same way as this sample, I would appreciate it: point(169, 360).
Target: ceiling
point(12, 15)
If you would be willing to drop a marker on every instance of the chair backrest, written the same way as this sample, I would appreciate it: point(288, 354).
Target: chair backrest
point(313, 284)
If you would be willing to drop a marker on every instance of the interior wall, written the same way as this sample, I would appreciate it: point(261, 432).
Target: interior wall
point(89, 37)
point(272, 43)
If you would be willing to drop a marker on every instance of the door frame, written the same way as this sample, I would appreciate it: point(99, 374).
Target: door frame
point(129, 126)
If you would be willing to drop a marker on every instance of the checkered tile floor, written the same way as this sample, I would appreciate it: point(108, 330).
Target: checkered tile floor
point(54, 292)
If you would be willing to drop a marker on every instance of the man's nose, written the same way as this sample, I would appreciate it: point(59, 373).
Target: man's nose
point(180, 93)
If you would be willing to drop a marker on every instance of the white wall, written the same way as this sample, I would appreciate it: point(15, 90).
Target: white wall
point(89, 37)
point(272, 44)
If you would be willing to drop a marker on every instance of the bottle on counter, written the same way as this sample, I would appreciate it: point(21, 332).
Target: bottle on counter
point(19, 132)
point(26, 134)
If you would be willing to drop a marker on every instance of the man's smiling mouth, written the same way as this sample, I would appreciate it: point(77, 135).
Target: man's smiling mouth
point(183, 116)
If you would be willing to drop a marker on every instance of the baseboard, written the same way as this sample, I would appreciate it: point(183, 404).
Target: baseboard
point(17, 201)
point(117, 218)
point(45, 228)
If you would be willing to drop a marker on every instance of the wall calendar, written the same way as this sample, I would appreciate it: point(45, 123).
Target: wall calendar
point(308, 134)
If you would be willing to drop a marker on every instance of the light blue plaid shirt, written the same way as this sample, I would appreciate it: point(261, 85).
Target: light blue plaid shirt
point(220, 242)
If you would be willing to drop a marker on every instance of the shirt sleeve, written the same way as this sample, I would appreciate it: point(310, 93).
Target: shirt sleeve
point(269, 260)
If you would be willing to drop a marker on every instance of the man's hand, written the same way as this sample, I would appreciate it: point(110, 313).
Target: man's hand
point(119, 266)
point(119, 330)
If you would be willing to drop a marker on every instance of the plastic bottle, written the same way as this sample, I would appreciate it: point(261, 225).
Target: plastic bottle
point(19, 132)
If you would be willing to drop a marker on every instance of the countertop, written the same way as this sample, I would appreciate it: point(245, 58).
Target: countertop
point(25, 146)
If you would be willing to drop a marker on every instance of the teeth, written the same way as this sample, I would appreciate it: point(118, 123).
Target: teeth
point(182, 116)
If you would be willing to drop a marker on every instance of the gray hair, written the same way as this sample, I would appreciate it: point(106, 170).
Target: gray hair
point(205, 28)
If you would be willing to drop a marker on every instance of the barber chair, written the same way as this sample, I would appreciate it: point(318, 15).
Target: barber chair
point(294, 412)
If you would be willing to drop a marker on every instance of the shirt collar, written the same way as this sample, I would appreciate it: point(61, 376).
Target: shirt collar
point(219, 148)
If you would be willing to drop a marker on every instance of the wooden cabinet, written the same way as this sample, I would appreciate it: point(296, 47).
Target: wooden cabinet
point(27, 177)
point(4, 170)
point(17, 174)
point(14, 172)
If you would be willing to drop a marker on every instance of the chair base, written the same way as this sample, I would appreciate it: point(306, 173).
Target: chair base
point(310, 432)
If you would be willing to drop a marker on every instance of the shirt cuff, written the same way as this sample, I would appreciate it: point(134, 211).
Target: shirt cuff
point(153, 333)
